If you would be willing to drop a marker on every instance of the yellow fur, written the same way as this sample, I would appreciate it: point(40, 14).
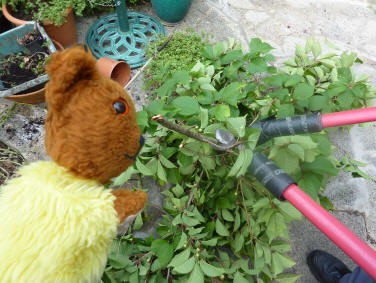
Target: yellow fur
point(54, 227)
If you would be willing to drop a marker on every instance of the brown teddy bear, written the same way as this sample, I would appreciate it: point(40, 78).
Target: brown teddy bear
point(57, 221)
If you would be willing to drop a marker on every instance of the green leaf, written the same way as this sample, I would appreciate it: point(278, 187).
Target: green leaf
point(198, 67)
point(232, 93)
point(275, 80)
point(283, 157)
point(227, 215)
point(262, 202)
point(237, 221)
point(178, 190)
point(180, 258)
point(257, 46)
point(232, 56)
point(138, 222)
point(210, 270)
point(293, 80)
point(321, 165)
point(196, 275)
point(296, 150)
point(210, 243)
point(186, 105)
point(236, 125)
point(287, 277)
point(205, 98)
point(290, 210)
point(143, 169)
point(182, 241)
point(207, 87)
point(238, 242)
point(133, 278)
point(185, 267)
point(280, 246)
point(238, 278)
point(167, 88)
point(108, 278)
point(208, 52)
point(190, 221)
point(161, 172)
point(286, 110)
point(221, 229)
point(152, 165)
point(181, 77)
point(119, 260)
point(125, 176)
point(284, 260)
point(204, 117)
point(156, 107)
point(163, 250)
point(219, 48)
point(347, 60)
point(317, 102)
point(142, 119)
point(257, 65)
point(276, 227)
point(165, 162)
point(316, 49)
point(222, 112)
point(303, 91)
point(241, 164)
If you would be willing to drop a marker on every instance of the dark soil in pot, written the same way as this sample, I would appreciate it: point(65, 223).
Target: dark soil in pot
point(20, 68)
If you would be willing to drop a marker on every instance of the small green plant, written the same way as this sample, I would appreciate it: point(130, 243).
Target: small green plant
point(220, 224)
point(53, 11)
point(181, 53)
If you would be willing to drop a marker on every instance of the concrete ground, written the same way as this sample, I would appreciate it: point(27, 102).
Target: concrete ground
point(349, 24)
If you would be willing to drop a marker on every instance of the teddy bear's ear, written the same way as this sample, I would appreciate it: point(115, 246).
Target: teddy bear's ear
point(66, 68)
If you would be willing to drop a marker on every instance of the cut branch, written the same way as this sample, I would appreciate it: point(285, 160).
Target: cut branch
point(172, 126)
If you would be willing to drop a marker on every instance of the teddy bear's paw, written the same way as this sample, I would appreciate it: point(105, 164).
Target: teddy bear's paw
point(128, 202)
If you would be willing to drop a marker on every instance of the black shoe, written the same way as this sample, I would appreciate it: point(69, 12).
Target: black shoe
point(325, 267)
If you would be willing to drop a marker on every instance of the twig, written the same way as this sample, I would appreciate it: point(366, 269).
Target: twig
point(164, 122)
point(168, 274)
point(192, 191)
point(148, 61)
point(246, 211)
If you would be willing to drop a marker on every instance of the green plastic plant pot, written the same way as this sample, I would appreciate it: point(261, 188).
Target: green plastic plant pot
point(171, 11)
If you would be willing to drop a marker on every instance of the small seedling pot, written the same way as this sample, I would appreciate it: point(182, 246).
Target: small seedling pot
point(35, 45)
point(119, 71)
point(35, 96)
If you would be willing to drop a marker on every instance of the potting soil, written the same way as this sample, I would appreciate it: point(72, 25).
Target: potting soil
point(13, 71)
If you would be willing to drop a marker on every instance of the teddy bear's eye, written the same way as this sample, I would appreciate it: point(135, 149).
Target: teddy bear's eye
point(121, 107)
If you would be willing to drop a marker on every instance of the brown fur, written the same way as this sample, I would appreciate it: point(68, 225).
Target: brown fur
point(83, 131)
point(128, 202)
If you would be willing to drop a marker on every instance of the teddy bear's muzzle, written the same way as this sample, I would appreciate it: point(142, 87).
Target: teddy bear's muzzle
point(133, 157)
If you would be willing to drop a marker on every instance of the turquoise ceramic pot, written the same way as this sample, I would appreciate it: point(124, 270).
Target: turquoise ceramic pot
point(171, 11)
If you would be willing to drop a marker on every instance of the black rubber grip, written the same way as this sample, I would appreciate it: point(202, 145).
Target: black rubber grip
point(270, 175)
point(303, 124)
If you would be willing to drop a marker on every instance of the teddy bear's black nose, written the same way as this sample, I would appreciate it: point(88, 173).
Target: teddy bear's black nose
point(142, 141)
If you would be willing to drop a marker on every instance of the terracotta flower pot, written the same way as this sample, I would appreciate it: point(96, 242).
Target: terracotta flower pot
point(35, 96)
point(66, 34)
point(119, 71)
